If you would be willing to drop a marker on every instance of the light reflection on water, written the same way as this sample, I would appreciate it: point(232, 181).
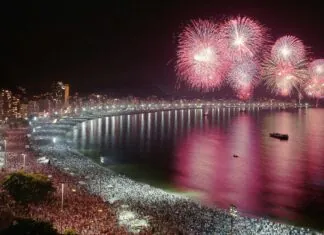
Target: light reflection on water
point(270, 177)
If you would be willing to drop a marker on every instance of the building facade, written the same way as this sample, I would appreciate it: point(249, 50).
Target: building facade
point(33, 108)
point(66, 95)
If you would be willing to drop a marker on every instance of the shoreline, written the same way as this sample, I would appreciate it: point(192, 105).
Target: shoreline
point(186, 214)
point(83, 212)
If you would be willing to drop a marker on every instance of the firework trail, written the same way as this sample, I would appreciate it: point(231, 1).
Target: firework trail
point(243, 38)
point(200, 60)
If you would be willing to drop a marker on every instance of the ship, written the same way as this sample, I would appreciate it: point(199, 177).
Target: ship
point(279, 136)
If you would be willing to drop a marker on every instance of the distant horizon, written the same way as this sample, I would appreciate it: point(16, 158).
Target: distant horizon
point(168, 91)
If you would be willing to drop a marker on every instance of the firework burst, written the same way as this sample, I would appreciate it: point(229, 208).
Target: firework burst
point(243, 38)
point(315, 89)
point(316, 69)
point(243, 77)
point(286, 66)
point(288, 49)
point(282, 77)
point(200, 62)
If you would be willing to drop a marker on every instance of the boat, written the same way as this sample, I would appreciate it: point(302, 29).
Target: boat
point(235, 155)
point(279, 136)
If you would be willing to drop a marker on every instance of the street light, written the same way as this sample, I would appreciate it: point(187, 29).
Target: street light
point(54, 140)
point(62, 199)
point(5, 151)
point(62, 204)
point(24, 160)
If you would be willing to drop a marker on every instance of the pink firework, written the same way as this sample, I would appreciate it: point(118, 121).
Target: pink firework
point(288, 49)
point(316, 69)
point(245, 94)
point(243, 37)
point(243, 77)
point(282, 77)
point(315, 88)
point(285, 69)
point(200, 62)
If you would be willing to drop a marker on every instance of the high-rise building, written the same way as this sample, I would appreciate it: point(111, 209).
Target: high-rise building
point(23, 112)
point(66, 94)
point(57, 94)
point(1, 106)
point(45, 105)
point(33, 108)
point(21, 94)
point(13, 111)
point(9, 104)
point(75, 101)
point(5, 103)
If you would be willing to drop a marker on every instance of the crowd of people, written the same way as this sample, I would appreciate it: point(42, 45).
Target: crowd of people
point(83, 212)
point(136, 203)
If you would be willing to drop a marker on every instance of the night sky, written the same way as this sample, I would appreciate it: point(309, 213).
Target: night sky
point(123, 44)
